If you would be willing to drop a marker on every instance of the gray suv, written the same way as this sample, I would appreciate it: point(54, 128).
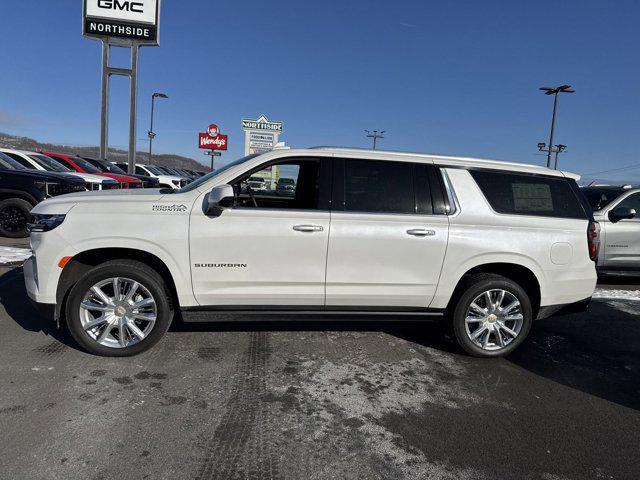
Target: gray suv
point(615, 208)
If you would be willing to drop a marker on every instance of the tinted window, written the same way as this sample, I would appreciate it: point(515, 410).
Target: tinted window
point(599, 198)
point(289, 184)
point(20, 160)
point(379, 186)
point(632, 201)
point(529, 194)
point(9, 163)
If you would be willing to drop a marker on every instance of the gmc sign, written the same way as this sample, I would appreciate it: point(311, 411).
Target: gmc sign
point(136, 20)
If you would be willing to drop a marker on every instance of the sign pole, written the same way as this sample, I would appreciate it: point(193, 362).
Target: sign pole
point(104, 113)
point(132, 107)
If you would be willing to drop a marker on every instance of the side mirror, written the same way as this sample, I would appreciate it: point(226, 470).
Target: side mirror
point(621, 213)
point(220, 198)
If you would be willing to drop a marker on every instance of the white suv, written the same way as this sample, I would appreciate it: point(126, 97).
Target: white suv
point(166, 181)
point(488, 246)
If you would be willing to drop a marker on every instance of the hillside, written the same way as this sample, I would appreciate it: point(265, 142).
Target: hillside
point(162, 159)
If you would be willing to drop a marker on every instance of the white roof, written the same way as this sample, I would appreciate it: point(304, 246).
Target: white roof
point(442, 160)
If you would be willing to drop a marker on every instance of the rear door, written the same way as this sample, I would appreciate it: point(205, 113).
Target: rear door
point(388, 234)
point(622, 249)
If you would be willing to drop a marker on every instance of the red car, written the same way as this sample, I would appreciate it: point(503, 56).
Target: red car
point(80, 165)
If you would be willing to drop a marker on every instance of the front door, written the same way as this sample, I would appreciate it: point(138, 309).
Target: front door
point(388, 235)
point(622, 249)
point(271, 248)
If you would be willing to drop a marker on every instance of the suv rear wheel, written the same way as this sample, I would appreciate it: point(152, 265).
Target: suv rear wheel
point(492, 317)
point(119, 308)
point(15, 213)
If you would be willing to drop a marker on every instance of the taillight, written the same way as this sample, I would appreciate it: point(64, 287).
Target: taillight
point(593, 240)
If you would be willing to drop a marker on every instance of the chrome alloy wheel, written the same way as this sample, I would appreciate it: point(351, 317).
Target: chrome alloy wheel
point(118, 312)
point(494, 319)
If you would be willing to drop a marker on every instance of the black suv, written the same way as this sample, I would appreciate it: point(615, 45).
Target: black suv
point(21, 189)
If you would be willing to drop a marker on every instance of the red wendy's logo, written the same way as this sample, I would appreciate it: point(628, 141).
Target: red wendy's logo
point(213, 130)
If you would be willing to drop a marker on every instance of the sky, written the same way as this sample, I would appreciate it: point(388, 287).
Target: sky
point(455, 78)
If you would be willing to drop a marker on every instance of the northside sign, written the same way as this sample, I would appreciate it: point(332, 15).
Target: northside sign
point(261, 124)
point(130, 20)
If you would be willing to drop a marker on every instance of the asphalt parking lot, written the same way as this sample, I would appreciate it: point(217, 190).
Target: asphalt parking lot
point(312, 400)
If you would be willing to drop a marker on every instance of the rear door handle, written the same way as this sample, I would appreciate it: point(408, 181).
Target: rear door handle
point(308, 228)
point(421, 232)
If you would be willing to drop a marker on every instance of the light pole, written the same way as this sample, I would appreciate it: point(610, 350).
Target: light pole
point(556, 148)
point(151, 132)
point(554, 92)
point(375, 135)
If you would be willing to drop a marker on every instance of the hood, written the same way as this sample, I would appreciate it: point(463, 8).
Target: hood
point(89, 177)
point(120, 178)
point(43, 175)
point(66, 202)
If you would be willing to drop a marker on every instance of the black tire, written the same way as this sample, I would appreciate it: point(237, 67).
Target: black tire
point(15, 213)
point(133, 270)
point(475, 285)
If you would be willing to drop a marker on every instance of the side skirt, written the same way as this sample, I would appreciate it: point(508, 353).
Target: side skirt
point(305, 312)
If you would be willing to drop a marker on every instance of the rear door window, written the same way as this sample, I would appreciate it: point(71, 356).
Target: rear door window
point(379, 187)
point(523, 194)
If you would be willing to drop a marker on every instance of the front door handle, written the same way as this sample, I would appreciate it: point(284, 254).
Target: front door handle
point(421, 232)
point(308, 228)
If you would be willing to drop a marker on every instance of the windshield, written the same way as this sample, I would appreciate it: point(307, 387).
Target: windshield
point(599, 198)
point(49, 163)
point(154, 170)
point(86, 166)
point(9, 163)
point(111, 168)
point(199, 181)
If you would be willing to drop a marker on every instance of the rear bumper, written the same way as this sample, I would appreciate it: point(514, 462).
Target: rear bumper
point(565, 309)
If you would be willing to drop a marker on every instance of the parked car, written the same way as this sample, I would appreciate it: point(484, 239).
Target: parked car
point(81, 165)
point(257, 184)
point(166, 181)
point(108, 167)
point(486, 246)
point(21, 189)
point(286, 186)
point(39, 161)
point(617, 210)
point(174, 171)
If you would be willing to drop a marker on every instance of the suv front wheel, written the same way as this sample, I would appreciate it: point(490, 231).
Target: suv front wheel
point(492, 316)
point(119, 308)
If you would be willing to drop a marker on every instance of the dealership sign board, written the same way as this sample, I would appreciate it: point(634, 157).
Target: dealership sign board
point(135, 21)
point(261, 135)
point(212, 139)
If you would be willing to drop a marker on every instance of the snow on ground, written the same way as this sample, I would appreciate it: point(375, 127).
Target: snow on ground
point(606, 294)
point(13, 255)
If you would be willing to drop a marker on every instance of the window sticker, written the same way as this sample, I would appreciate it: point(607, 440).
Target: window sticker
point(532, 197)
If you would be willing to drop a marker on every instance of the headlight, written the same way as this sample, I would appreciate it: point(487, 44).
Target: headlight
point(50, 189)
point(44, 223)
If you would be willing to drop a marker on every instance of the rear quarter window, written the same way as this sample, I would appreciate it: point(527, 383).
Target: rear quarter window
point(521, 194)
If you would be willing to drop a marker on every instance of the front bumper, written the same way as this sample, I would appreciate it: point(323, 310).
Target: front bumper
point(46, 310)
point(565, 309)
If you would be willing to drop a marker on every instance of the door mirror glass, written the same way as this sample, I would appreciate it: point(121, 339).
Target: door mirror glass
point(621, 213)
point(220, 198)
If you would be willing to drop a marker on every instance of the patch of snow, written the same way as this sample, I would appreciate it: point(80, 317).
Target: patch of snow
point(13, 255)
point(606, 294)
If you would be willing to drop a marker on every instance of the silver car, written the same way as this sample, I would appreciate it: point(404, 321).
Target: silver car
point(615, 208)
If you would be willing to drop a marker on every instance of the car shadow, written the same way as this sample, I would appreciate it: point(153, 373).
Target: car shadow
point(15, 301)
point(597, 352)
